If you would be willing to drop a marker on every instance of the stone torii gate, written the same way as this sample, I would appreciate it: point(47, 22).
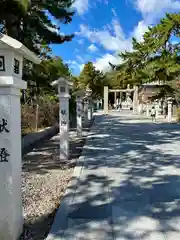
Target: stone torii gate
point(128, 92)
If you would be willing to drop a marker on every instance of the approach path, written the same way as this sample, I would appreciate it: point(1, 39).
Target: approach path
point(126, 185)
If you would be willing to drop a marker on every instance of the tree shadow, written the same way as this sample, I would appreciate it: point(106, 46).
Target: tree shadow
point(129, 185)
point(45, 156)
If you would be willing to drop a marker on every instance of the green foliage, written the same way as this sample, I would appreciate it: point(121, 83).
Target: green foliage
point(14, 7)
point(92, 78)
point(41, 76)
point(155, 59)
point(44, 113)
point(33, 27)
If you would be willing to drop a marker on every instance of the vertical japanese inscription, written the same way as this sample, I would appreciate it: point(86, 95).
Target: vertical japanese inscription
point(3, 126)
point(3, 152)
point(63, 121)
point(79, 109)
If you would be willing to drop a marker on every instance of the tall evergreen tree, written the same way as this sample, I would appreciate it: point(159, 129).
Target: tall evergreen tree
point(155, 59)
point(92, 78)
point(34, 26)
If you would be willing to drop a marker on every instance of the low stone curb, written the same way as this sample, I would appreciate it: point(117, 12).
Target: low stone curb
point(61, 218)
point(30, 140)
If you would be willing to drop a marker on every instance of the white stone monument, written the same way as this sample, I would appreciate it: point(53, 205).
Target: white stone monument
point(12, 53)
point(63, 89)
point(79, 112)
point(170, 101)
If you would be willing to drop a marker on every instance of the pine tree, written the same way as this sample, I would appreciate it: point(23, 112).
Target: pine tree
point(33, 27)
point(92, 78)
point(156, 58)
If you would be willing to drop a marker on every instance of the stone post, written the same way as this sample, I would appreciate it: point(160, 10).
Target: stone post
point(115, 97)
point(12, 53)
point(135, 100)
point(97, 104)
point(170, 109)
point(90, 110)
point(63, 89)
point(79, 112)
point(106, 99)
point(147, 109)
point(157, 108)
point(86, 106)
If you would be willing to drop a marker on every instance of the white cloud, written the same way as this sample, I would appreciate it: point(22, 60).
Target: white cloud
point(80, 41)
point(114, 41)
point(79, 58)
point(102, 64)
point(81, 6)
point(139, 30)
point(155, 9)
point(112, 38)
point(81, 67)
point(92, 48)
point(73, 64)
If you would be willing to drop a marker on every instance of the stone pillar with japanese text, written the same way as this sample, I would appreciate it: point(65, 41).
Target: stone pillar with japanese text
point(12, 53)
point(79, 113)
point(90, 110)
point(63, 89)
point(86, 107)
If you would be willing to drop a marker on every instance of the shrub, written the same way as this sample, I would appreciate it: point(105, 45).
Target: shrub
point(47, 111)
point(178, 114)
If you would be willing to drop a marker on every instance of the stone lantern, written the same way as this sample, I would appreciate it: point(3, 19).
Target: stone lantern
point(12, 53)
point(63, 89)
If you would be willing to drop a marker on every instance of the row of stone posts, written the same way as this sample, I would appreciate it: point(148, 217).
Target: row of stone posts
point(12, 53)
point(81, 99)
point(156, 105)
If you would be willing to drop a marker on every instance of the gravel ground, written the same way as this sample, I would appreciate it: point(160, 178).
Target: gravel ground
point(44, 180)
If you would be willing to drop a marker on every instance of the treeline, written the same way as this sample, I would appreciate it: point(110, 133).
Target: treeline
point(155, 59)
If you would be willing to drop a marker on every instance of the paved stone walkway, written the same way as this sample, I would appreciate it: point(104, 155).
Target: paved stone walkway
point(126, 185)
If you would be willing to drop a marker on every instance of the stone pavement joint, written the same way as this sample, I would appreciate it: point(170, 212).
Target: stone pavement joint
point(126, 184)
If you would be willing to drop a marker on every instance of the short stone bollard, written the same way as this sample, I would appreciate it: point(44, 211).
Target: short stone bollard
point(157, 108)
point(147, 109)
point(86, 106)
point(12, 53)
point(90, 110)
point(79, 112)
point(63, 89)
point(135, 100)
point(169, 109)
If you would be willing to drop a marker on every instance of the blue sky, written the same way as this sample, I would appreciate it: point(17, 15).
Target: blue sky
point(104, 28)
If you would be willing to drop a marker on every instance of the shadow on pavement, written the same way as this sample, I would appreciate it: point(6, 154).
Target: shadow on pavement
point(129, 187)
